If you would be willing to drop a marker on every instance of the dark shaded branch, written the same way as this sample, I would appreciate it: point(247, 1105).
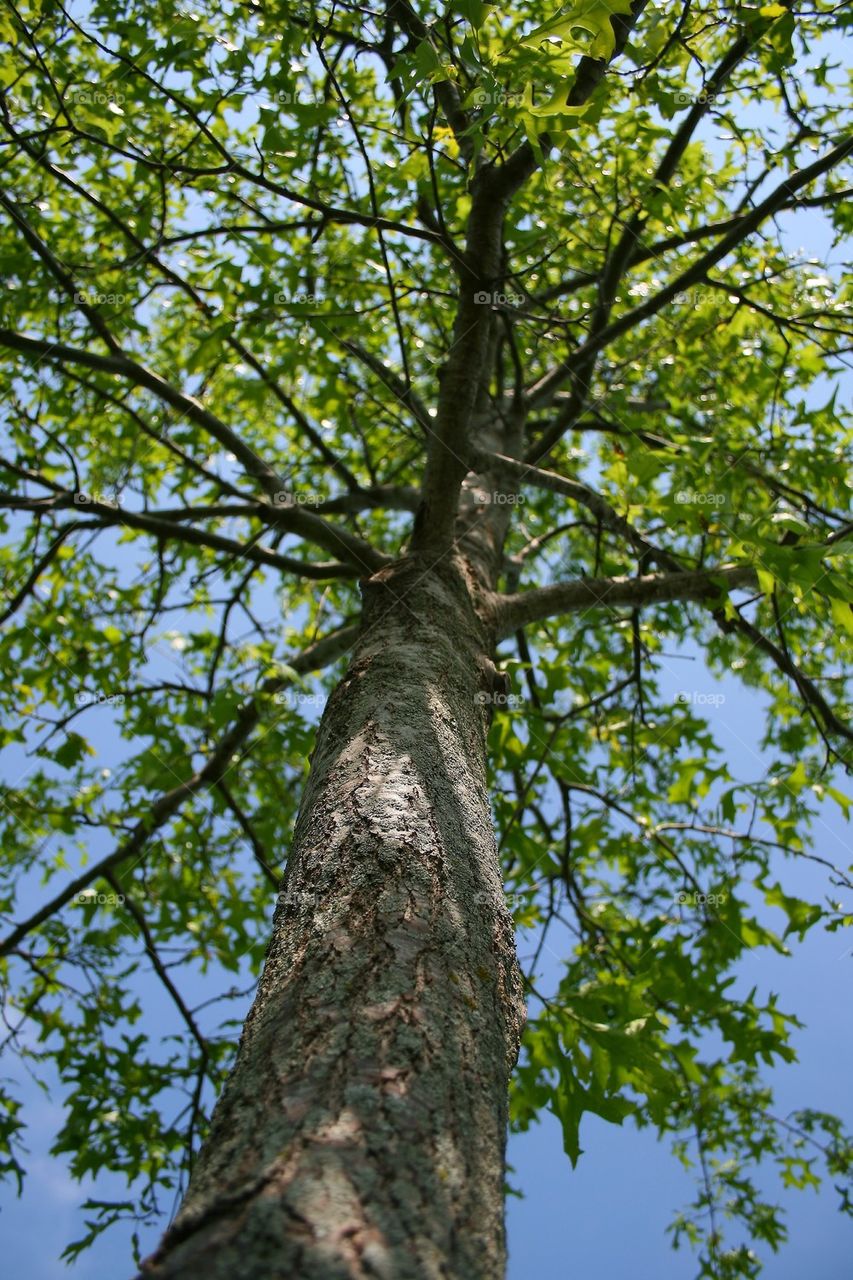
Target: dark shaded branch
point(37, 570)
point(304, 523)
point(446, 92)
point(173, 530)
point(245, 825)
point(593, 501)
point(38, 349)
point(464, 374)
point(811, 695)
point(674, 571)
point(590, 72)
point(406, 395)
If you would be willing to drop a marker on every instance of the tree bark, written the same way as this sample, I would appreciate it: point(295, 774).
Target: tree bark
point(362, 1131)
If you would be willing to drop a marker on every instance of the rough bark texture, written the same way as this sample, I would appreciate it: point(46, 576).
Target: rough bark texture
point(362, 1131)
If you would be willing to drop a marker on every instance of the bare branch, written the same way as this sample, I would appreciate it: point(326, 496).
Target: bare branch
point(706, 585)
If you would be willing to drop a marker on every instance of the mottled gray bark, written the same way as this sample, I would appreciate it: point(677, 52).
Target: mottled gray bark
point(362, 1131)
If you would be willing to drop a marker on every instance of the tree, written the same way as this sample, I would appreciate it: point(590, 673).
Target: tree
point(440, 367)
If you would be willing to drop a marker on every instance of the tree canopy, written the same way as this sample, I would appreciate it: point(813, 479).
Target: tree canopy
point(256, 256)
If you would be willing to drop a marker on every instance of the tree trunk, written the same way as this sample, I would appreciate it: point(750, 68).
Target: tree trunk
point(362, 1131)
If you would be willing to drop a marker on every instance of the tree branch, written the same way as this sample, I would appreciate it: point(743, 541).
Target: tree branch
point(38, 349)
point(589, 498)
point(173, 530)
point(706, 585)
point(542, 392)
point(220, 762)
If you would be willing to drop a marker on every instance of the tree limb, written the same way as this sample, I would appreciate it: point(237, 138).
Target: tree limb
point(173, 530)
point(220, 762)
point(514, 611)
point(542, 392)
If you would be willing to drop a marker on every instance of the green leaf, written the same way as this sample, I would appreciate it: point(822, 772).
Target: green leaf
point(586, 28)
point(74, 749)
